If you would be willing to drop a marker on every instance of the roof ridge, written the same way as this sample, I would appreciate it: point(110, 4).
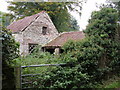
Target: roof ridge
point(35, 14)
point(42, 11)
point(70, 32)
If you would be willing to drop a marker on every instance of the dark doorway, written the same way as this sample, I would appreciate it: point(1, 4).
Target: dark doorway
point(51, 51)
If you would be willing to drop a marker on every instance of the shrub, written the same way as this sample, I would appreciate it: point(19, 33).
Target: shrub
point(9, 52)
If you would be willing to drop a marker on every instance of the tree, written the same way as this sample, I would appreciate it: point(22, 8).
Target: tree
point(103, 28)
point(9, 52)
point(58, 11)
point(4, 18)
point(118, 8)
point(74, 24)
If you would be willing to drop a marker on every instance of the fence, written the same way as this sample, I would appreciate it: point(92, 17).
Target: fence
point(19, 76)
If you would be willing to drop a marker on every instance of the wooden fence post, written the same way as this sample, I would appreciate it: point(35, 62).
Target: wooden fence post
point(17, 71)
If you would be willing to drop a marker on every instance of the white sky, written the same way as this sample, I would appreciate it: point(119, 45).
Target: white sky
point(3, 6)
point(86, 11)
point(88, 8)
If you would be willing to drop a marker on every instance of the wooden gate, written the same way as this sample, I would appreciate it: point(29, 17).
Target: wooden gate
point(19, 76)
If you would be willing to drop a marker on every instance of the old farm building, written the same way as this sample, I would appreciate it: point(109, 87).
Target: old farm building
point(38, 29)
point(33, 30)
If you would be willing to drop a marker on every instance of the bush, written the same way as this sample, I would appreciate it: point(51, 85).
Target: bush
point(9, 52)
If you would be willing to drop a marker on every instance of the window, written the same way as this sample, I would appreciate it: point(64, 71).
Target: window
point(32, 47)
point(44, 30)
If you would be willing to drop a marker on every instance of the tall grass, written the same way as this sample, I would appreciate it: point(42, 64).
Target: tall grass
point(113, 82)
point(36, 58)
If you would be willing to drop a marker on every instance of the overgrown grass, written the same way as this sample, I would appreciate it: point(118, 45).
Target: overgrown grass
point(37, 58)
point(113, 82)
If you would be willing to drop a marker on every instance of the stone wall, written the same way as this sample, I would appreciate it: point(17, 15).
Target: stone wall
point(19, 38)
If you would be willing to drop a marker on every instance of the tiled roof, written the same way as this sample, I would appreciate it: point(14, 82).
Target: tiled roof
point(64, 37)
point(21, 24)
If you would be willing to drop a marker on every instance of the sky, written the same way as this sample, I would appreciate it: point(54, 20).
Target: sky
point(3, 6)
point(88, 8)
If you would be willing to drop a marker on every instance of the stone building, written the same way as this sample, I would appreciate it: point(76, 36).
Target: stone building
point(33, 30)
point(55, 45)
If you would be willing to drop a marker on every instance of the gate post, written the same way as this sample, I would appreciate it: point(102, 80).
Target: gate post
point(17, 71)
